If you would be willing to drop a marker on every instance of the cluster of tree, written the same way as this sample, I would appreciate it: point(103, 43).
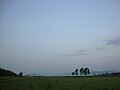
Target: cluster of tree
point(109, 74)
point(4, 72)
point(82, 71)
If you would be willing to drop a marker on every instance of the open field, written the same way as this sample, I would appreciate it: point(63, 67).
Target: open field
point(59, 83)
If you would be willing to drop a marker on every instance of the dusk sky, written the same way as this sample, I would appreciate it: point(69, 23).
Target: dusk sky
point(50, 37)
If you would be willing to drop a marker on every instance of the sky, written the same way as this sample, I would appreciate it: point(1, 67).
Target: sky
point(53, 37)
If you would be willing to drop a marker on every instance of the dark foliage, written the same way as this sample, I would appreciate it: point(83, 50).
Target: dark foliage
point(73, 73)
point(4, 72)
point(82, 71)
point(20, 74)
point(109, 74)
point(76, 72)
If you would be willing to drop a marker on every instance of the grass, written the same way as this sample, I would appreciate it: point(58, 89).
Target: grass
point(59, 83)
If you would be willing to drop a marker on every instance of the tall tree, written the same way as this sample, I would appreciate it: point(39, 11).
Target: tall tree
point(73, 73)
point(76, 72)
point(81, 71)
point(86, 71)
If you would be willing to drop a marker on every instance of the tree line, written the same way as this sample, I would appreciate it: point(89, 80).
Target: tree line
point(4, 72)
point(108, 74)
point(81, 71)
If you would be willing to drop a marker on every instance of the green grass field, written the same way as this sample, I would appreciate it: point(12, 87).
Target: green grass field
point(59, 83)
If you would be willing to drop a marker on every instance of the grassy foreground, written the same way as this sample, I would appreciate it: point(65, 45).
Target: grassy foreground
point(59, 83)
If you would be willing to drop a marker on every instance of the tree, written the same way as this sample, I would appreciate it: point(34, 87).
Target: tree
point(86, 71)
point(4, 72)
point(76, 72)
point(20, 74)
point(81, 71)
point(73, 73)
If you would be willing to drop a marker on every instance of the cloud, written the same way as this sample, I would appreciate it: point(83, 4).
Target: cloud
point(118, 60)
point(81, 51)
point(99, 49)
point(76, 53)
point(114, 41)
point(70, 55)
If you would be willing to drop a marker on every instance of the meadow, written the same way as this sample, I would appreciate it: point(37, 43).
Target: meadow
point(59, 83)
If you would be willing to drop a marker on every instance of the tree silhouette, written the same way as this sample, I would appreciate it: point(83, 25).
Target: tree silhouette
point(4, 72)
point(86, 71)
point(81, 71)
point(20, 74)
point(73, 73)
point(76, 72)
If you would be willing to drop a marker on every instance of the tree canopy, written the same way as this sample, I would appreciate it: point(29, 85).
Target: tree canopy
point(4, 72)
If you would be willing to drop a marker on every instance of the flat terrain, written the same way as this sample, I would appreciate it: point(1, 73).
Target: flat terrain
point(59, 83)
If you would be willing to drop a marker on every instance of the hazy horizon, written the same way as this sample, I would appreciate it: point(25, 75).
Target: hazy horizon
point(58, 36)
